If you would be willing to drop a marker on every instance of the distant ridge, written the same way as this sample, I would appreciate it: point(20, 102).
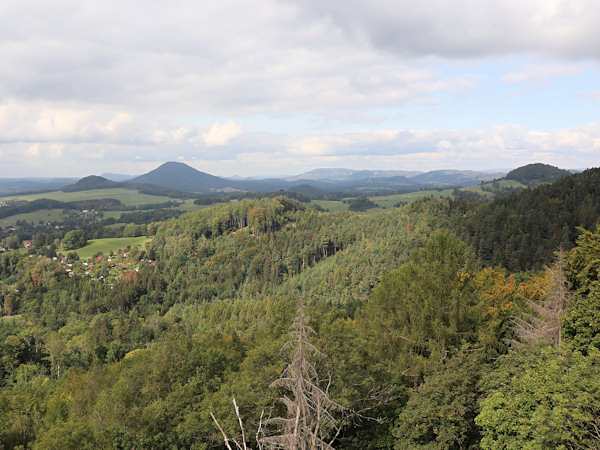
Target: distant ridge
point(340, 174)
point(454, 177)
point(117, 176)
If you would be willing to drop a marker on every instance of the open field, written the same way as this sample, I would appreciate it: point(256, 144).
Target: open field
point(188, 206)
point(107, 245)
point(130, 197)
point(388, 201)
point(493, 185)
point(43, 215)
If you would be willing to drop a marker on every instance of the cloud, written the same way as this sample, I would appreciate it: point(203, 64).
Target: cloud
point(220, 135)
point(33, 150)
point(540, 73)
point(468, 28)
point(56, 150)
point(303, 76)
point(270, 154)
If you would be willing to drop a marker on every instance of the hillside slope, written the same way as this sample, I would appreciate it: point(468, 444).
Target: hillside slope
point(523, 230)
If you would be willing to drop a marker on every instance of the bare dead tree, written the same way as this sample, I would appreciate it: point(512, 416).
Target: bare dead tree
point(240, 445)
point(543, 322)
point(312, 419)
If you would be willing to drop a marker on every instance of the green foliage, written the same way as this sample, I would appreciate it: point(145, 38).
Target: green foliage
point(74, 239)
point(581, 323)
point(360, 203)
point(440, 413)
point(424, 307)
point(553, 401)
point(522, 231)
point(133, 230)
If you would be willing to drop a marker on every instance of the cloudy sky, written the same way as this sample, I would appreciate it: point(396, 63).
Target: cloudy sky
point(274, 87)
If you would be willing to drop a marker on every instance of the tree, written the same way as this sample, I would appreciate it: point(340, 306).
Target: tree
point(360, 203)
point(74, 239)
point(423, 308)
point(552, 400)
point(543, 320)
point(309, 421)
point(440, 413)
point(581, 324)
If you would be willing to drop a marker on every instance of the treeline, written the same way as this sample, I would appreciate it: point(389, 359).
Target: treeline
point(523, 230)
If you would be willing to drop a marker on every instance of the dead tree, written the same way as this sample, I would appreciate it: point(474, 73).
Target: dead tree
point(543, 322)
point(310, 421)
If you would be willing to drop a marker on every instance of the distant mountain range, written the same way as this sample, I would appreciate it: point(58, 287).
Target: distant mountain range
point(177, 176)
point(117, 176)
point(348, 174)
point(13, 186)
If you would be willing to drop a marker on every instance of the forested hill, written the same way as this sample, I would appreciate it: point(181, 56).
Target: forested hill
point(523, 230)
point(385, 323)
point(536, 174)
point(92, 182)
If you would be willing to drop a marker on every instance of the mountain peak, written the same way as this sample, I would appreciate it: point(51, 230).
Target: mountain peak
point(181, 177)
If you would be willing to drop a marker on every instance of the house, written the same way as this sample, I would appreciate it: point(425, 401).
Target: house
point(27, 244)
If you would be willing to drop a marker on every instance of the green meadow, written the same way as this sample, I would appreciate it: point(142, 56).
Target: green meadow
point(43, 215)
point(110, 244)
point(129, 197)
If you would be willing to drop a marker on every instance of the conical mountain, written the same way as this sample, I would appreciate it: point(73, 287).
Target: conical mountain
point(181, 177)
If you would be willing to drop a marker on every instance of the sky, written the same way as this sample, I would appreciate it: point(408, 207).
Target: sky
point(280, 87)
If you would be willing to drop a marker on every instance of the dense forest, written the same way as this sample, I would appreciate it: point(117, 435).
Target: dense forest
point(438, 324)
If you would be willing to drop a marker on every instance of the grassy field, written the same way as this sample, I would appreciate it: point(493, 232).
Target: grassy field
point(388, 201)
point(188, 206)
point(107, 245)
point(43, 215)
point(499, 183)
point(130, 197)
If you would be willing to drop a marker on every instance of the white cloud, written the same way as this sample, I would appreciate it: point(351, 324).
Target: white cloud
point(509, 145)
point(468, 28)
point(541, 72)
point(33, 151)
point(56, 150)
point(220, 135)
